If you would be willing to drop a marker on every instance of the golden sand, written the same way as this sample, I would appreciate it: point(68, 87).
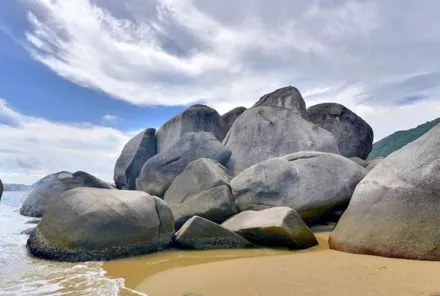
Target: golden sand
point(317, 271)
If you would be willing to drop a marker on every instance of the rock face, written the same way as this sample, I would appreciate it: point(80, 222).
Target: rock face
point(280, 226)
point(353, 134)
point(312, 183)
point(50, 188)
point(99, 224)
point(394, 211)
point(287, 98)
point(196, 118)
point(199, 233)
point(230, 117)
point(158, 172)
point(199, 175)
point(372, 163)
point(359, 161)
point(134, 155)
point(216, 204)
point(265, 132)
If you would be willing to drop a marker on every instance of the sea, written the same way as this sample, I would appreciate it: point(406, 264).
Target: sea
point(23, 275)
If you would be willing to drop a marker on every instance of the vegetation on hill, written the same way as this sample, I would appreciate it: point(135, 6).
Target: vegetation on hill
point(399, 139)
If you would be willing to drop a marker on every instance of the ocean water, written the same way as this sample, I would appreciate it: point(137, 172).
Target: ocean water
point(23, 275)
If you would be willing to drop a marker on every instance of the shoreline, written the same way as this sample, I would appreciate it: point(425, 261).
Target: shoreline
point(316, 271)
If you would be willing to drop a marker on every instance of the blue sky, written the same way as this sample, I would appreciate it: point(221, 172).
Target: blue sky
point(79, 78)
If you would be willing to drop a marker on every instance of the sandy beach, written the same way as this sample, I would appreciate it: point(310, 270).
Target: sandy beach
point(317, 271)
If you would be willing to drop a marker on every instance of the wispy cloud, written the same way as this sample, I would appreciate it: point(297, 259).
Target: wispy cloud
point(110, 118)
point(34, 147)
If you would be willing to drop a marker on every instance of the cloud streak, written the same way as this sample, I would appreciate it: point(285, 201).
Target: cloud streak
point(34, 147)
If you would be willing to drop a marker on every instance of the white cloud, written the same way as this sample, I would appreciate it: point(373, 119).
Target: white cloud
point(369, 55)
point(110, 118)
point(33, 147)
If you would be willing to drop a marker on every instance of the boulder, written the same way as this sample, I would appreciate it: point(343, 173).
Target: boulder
point(158, 172)
point(359, 161)
point(312, 183)
point(394, 211)
point(264, 132)
point(199, 175)
point(216, 204)
point(280, 226)
point(201, 234)
point(230, 117)
point(372, 163)
point(134, 155)
point(50, 188)
point(287, 98)
point(197, 118)
point(88, 224)
point(1, 189)
point(353, 134)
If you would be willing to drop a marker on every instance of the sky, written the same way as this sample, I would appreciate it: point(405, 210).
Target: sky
point(79, 78)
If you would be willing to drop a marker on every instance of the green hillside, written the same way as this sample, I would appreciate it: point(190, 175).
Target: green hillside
point(399, 139)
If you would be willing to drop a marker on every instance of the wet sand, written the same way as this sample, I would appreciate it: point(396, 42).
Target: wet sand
point(317, 271)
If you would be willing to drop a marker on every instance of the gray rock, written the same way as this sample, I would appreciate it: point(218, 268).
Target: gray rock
point(88, 224)
point(280, 226)
point(133, 157)
point(202, 234)
point(264, 132)
point(158, 172)
point(359, 161)
point(197, 118)
point(34, 221)
point(230, 117)
point(372, 163)
point(50, 188)
point(1, 189)
point(312, 183)
point(353, 134)
point(198, 176)
point(216, 204)
point(287, 98)
point(394, 211)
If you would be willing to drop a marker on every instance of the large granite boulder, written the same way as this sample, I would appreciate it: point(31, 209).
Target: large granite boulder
point(50, 188)
point(133, 157)
point(270, 129)
point(197, 118)
point(353, 134)
point(280, 226)
point(158, 172)
point(99, 224)
point(312, 183)
point(215, 204)
point(230, 117)
point(394, 211)
point(199, 175)
point(201, 234)
point(287, 98)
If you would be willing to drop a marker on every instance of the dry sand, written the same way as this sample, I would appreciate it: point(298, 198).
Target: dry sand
point(317, 271)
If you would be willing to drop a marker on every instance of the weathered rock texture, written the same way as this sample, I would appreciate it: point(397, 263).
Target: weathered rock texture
point(394, 211)
point(196, 118)
point(199, 233)
point(98, 224)
point(158, 172)
point(133, 157)
point(312, 183)
point(353, 134)
point(275, 126)
point(50, 188)
point(230, 117)
point(280, 226)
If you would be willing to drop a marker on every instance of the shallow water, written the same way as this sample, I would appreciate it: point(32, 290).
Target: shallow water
point(21, 274)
